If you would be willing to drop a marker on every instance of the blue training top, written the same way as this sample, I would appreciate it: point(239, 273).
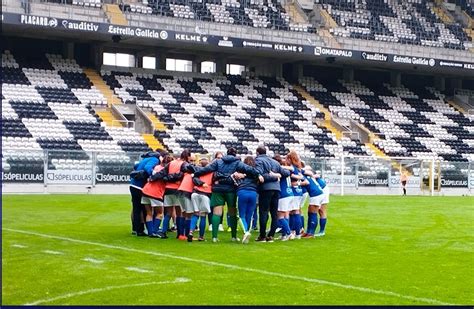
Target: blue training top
point(146, 164)
point(314, 189)
point(321, 182)
point(285, 187)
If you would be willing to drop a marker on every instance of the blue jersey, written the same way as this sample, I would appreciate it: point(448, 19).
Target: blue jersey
point(285, 187)
point(304, 188)
point(314, 189)
point(297, 190)
point(321, 182)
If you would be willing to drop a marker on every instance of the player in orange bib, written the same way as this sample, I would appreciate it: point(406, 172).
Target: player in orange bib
point(152, 198)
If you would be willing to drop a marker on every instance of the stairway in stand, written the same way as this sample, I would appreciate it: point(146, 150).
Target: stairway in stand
point(104, 112)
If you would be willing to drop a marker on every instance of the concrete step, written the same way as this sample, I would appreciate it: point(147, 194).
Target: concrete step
point(100, 84)
point(159, 126)
point(327, 113)
point(109, 118)
point(457, 107)
point(115, 15)
point(152, 142)
point(295, 14)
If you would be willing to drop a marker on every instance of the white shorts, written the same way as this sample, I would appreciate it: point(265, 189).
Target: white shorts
point(186, 204)
point(202, 202)
point(295, 205)
point(325, 194)
point(286, 203)
point(151, 201)
point(316, 200)
point(171, 200)
point(303, 199)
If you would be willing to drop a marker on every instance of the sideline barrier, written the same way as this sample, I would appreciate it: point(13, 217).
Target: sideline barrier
point(352, 174)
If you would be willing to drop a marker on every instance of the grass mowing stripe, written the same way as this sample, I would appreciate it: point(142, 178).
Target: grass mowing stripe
point(236, 267)
point(107, 288)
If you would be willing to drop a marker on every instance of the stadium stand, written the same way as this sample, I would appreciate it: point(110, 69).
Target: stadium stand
point(211, 113)
point(256, 13)
point(208, 113)
point(47, 103)
point(410, 22)
point(410, 121)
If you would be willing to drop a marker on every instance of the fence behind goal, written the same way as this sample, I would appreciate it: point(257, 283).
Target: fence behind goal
point(345, 175)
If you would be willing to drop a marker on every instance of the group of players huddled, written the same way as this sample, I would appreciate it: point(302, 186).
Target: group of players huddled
point(163, 186)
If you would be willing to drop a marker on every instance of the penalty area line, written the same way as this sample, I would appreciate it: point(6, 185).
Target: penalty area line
point(240, 268)
point(107, 288)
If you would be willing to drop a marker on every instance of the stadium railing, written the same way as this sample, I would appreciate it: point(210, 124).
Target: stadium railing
point(345, 175)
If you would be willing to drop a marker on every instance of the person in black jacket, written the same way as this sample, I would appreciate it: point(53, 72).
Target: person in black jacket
point(268, 193)
point(223, 190)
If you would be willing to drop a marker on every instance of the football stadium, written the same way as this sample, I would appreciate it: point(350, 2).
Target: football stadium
point(285, 152)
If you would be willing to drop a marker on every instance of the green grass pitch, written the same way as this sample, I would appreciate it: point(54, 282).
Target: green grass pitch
point(78, 250)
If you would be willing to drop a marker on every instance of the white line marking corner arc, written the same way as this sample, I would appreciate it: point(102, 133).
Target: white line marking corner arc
point(107, 288)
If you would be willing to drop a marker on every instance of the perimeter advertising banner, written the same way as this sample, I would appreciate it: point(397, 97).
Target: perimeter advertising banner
point(413, 182)
point(364, 181)
point(335, 180)
point(112, 177)
point(454, 183)
point(222, 41)
point(69, 177)
point(23, 177)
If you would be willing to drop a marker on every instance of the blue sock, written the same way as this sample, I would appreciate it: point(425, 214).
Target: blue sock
point(284, 227)
point(292, 222)
point(149, 227)
point(202, 226)
point(302, 221)
point(166, 223)
point(194, 221)
point(297, 224)
point(287, 219)
point(183, 226)
point(156, 225)
point(187, 226)
point(179, 226)
point(322, 224)
point(312, 222)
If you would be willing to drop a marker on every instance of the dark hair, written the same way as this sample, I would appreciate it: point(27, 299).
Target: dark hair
point(166, 158)
point(249, 160)
point(185, 155)
point(231, 151)
point(278, 158)
point(217, 154)
point(261, 150)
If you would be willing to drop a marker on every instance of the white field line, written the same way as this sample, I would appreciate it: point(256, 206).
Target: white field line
point(138, 270)
point(240, 268)
point(92, 260)
point(107, 288)
point(52, 252)
point(19, 246)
